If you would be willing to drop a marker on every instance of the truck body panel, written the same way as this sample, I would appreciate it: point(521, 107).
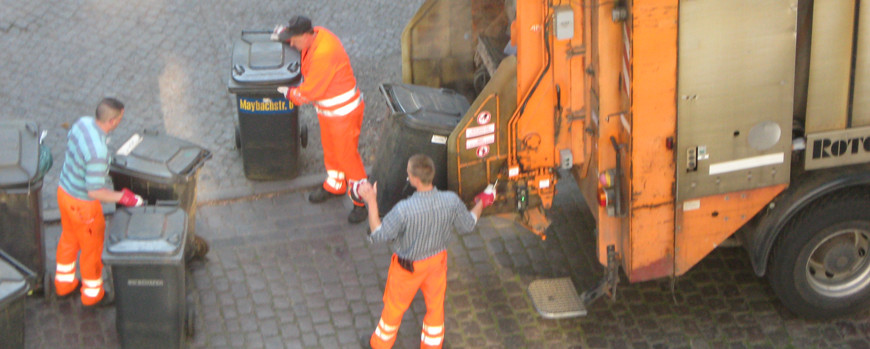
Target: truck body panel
point(682, 122)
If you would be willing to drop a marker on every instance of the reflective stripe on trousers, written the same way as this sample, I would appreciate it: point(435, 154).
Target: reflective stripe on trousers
point(334, 181)
point(340, 139)
point(432, 336)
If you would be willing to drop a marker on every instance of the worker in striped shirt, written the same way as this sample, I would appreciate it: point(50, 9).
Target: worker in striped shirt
point(82, 188)
point(418, 229)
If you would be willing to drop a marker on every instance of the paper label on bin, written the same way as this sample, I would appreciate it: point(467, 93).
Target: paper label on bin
point(439, 139)
point(130, 144)
point(476, 142)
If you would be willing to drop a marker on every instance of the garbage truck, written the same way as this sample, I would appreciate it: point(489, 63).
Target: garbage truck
point(685, 124)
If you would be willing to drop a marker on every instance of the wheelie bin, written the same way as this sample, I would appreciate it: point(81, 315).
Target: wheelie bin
point(144, 249)
point(268, 133)
point(421, 118)
point(162, 168)
point(13, 288)
point(23, 162)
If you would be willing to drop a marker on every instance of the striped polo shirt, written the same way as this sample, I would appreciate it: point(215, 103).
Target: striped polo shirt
point(419, 227)
point(87, 159)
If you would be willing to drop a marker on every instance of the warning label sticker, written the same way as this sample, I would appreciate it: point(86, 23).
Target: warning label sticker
point(472, 132)
point(476, 142)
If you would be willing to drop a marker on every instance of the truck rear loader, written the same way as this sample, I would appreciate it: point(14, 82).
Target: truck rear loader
point(683, 122)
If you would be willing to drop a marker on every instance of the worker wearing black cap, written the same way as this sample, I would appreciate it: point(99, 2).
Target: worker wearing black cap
point(329, 84)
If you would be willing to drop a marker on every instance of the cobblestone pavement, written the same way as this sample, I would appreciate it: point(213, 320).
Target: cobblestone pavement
point(169, 62)
point(286, 274)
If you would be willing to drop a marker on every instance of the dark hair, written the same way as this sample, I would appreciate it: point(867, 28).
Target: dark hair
point(422, 167)
point(299, 25)
point(108, 109)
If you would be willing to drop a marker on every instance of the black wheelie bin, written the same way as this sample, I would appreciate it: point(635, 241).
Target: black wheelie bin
point(162, 168)
point(268, 133)
point(421, 118)
point(13, 288)
point(144, 249)
point(23, 162)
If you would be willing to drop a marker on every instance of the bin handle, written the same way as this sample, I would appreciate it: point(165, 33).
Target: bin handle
point(206, 155)
point(390, 97)
point(167, 203)
point(254, 31)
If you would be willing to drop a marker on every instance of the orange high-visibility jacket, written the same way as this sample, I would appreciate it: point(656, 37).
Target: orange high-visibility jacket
point(328, 77)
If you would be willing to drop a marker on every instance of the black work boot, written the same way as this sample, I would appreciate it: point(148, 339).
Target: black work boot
point(358, 214)
point(320, 195)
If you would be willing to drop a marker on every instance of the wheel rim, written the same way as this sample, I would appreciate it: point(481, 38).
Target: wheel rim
point(839, 265)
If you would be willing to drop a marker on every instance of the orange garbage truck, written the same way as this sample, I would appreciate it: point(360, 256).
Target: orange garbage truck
point(684, 123)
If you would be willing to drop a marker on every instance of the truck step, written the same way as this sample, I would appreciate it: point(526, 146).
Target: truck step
point(556, 298)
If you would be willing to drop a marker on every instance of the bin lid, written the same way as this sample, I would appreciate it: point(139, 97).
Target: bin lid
point(435, 109)
point(159, 156)
point(19, 153)
point(12, 283)
point(259, 62)
point(146, 233)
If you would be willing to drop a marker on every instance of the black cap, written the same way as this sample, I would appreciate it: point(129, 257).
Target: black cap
point(299, 25)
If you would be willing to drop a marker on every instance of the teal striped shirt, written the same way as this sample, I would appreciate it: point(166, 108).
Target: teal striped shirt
point(87, 159)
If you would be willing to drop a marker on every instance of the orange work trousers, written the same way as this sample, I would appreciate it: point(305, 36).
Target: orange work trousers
point(430, 276)
point(83, 228)
point(340, 138)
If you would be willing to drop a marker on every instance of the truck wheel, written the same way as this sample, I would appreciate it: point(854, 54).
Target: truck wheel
point(820, 266)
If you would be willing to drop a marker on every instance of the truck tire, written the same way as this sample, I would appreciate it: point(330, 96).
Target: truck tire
point(820, 265)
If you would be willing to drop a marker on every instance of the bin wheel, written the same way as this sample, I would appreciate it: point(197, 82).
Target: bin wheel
point(303, 136)
point(238, 138)
point(189, 328)
point(200, 247)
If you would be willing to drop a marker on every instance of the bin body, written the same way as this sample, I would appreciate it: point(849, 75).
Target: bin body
point(421, 119)
point(13, 288)
point(21, 230)
point(144, 250)
point(268, 124)
point(160, 168)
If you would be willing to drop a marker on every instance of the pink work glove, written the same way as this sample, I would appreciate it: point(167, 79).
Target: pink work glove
point(487, 197)
point(129, 199)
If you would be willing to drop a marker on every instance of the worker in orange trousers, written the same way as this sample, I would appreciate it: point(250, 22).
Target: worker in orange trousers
point(329, 84)
point(419, 230)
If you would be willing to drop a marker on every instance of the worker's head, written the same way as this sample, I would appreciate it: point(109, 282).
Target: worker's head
point(109, 113)
point(422, 169)
point(298, 33)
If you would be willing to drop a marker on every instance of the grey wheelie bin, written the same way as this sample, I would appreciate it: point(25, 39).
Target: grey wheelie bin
point(268, 133)
point(144, 249)
point(23, 162)
point(162, 168)
point(421, 118)
point(13, 288)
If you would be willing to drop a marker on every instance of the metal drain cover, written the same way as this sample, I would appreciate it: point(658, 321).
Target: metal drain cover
point(556, 298)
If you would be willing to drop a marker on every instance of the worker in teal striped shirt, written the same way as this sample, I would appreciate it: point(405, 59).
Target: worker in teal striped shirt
point(82, 188)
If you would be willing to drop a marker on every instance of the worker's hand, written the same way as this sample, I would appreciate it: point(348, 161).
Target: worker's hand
point(486, 198)
point(294, 95)
point(283, 90)
point(277, 33)
point(129, 199)
point(368, 191)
